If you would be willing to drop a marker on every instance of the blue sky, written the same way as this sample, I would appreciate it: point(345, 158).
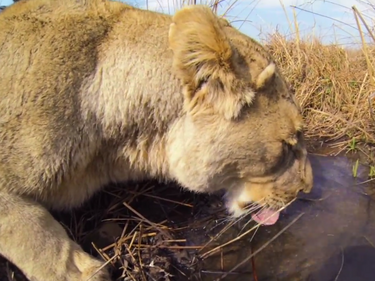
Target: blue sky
point(265, 16)
point(262, 17)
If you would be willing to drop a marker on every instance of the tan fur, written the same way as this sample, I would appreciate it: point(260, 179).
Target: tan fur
point(94, 91)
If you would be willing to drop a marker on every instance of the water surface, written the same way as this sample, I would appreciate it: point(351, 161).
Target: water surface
point(333, 240)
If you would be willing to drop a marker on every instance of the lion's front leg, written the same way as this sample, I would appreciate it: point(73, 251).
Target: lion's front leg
point(37, 244)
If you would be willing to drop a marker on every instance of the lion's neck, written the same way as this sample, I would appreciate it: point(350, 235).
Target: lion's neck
point(134, 94)
point(136, 115)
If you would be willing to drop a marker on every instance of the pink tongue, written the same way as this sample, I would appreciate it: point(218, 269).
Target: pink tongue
point(266, 217)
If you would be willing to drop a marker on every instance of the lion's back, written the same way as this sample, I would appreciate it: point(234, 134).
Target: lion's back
point(45, 56)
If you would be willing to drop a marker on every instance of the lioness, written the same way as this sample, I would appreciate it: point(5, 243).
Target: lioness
point(96, 91)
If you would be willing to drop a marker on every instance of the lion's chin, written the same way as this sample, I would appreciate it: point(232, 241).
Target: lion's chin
point(266, 216)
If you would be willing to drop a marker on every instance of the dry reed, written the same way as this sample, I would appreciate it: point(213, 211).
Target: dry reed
point(332, 86)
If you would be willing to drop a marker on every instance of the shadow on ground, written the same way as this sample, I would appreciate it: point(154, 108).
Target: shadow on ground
point(328, 235)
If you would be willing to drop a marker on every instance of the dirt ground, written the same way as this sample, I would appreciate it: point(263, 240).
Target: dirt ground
point(118, 215)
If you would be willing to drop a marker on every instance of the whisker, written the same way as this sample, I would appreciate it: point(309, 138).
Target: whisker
point(232, 221)
point(254, 205)
point(221, 222)
point(258, 206)
point(281, 208)
point(221, 232)
point(253, 208)
point(246, 224)
point(252, 237)
point(236, 220)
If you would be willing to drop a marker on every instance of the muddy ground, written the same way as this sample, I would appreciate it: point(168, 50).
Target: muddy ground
point(324, 236)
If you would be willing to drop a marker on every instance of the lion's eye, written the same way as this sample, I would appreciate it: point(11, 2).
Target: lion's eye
point(283, 159)
point(288, 152)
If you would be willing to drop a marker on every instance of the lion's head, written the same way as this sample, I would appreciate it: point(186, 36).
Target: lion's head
point(242, 128)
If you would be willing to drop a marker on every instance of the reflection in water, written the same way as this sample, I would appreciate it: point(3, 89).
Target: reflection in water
point(333, 240)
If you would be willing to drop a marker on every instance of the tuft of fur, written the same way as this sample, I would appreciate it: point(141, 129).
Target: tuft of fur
point(265, 76)
point(97, 91)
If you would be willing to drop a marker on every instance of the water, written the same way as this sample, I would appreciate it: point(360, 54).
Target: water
point(333, 240)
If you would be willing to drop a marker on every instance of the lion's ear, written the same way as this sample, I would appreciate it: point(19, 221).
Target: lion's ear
point(199, 45)
point(203, 59)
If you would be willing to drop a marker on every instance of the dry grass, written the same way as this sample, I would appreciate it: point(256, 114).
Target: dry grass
point(332, 86)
